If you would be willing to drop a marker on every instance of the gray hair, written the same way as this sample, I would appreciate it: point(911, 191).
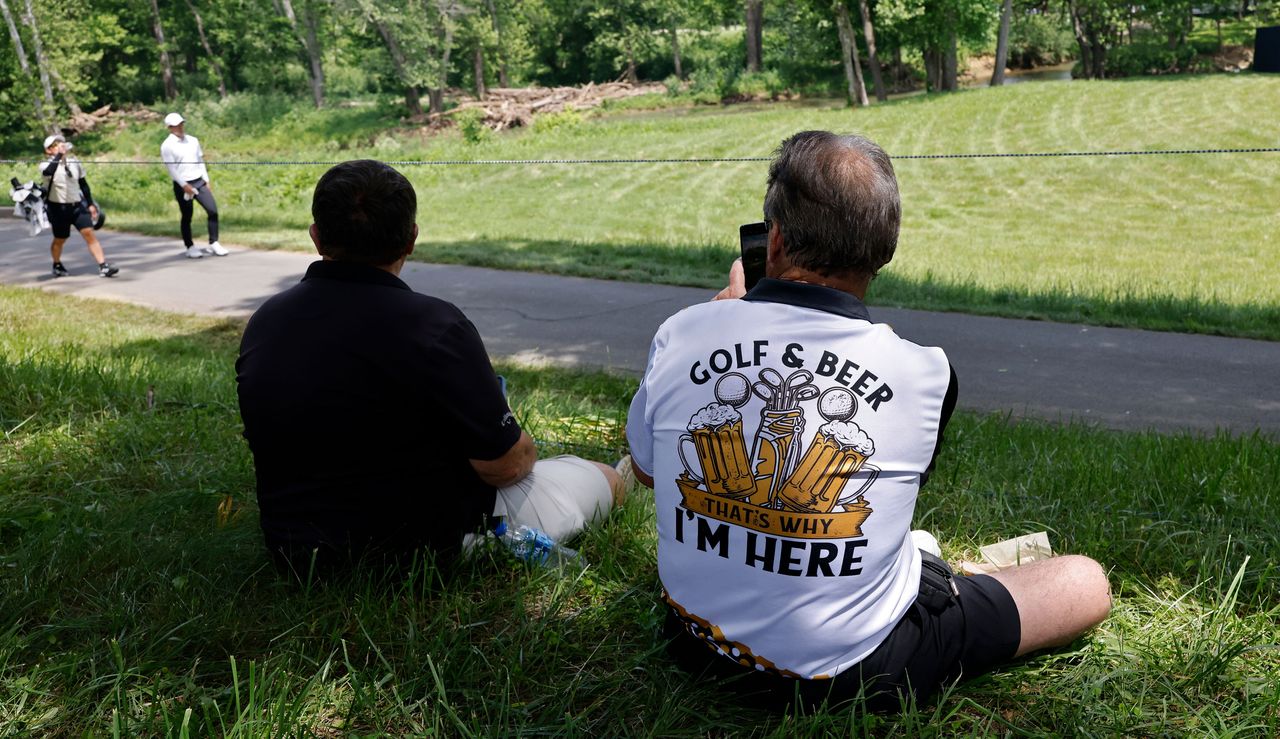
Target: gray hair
point(835, 200)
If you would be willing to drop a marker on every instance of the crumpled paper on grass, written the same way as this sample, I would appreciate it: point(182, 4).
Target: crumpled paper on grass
point(1010, 553)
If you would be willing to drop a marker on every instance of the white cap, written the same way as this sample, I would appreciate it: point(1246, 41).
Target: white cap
point(173, 119)
point(51, 140)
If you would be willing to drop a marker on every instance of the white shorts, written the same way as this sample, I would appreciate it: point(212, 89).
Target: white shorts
point(561, 496)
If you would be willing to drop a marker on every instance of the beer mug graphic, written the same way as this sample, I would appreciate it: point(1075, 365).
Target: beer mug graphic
point(716, 435)
point(838, 452)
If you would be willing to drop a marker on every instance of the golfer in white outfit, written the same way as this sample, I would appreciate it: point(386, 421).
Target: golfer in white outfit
point(183, 156)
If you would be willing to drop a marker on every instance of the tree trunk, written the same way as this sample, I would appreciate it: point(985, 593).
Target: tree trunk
point(479, 70)
point(311, 44)
point(755, 34)
point(504, 79)
point(857, 89)
point(166, 66)
point(932, 69)
point(632, 77)
point(42, 62)
point(314, 53)
point(675, 48)
point(208, 50)
point(1002, 44)
point(411, 99)
point(869, 33)
point(435, 95)
point(38, 104)
point(950, 62)
point(1082, 40)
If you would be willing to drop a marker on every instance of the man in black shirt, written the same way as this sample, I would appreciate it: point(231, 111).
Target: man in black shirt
point(376, 422)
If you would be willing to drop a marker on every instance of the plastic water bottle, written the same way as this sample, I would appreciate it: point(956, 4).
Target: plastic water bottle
point(533, 545)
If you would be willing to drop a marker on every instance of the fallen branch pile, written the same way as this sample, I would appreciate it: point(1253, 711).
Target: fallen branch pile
point(508, 107)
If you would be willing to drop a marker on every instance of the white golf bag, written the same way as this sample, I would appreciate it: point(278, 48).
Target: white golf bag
point(28, 203)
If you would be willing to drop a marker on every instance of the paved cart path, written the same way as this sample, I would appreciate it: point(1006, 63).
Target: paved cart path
point(1116, 378)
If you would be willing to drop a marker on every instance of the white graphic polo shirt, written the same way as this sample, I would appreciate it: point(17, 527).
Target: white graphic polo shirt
point(787, 437)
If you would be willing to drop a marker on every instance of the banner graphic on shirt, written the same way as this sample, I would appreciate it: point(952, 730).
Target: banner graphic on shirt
point(781, 486)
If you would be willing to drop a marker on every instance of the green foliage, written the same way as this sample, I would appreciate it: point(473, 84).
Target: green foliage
point(1138, 59)
point(471, 124)
point(563, 120)
point(1037, 39)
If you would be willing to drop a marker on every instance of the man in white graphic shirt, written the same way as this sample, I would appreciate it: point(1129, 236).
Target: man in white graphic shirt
point(786, 437)
point(183, 156)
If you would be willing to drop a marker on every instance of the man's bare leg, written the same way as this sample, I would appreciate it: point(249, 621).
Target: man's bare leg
point(1058, 599)
point(95, 248)
point(616, 488)
point(55, 249)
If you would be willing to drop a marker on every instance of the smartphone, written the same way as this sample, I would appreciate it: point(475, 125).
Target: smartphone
point(755, 242)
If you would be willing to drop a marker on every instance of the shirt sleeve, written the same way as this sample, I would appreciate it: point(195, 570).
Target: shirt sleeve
point(463, 385)
point(640, 418)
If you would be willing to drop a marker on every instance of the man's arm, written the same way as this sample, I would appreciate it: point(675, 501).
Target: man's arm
point(511, 467)
point(52, 165)
point(642, 477)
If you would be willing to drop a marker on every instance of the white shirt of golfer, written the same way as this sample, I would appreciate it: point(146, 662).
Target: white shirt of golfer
point(803, 592)
point(184, 158)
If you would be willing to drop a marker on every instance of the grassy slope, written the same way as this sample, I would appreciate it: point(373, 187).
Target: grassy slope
point(132, 606)
point(1182, 243)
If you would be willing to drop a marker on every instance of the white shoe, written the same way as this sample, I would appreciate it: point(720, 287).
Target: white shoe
point(925, 541)
point(194, 252)
point(216, 249)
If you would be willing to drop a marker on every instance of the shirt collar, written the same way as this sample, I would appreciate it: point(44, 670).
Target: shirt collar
point(804, 295)
point(365, 274)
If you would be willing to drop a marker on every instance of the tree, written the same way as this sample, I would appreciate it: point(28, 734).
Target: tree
point(1002, 44)
point(307, 35)
point(208, 50)
point(166, 67)
point(755, 34)
point(936, 27)
point(42, 61)
point(857, 89)
point(21, 52)
point(1093, 23)
point(873, 59)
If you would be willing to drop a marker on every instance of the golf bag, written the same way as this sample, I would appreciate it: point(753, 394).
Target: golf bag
point(28, 203)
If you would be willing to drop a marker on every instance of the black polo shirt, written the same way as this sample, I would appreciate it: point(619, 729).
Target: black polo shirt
point(362, 402)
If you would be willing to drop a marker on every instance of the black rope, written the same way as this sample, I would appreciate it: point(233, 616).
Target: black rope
point(691, 160)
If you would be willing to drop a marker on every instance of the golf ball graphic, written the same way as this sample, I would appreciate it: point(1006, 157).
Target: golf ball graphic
point(733, 389)
point(837, 404)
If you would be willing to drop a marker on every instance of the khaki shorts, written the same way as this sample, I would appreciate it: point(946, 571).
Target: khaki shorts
point(561, 496)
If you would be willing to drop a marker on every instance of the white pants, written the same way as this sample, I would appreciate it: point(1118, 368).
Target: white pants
point(561, 496)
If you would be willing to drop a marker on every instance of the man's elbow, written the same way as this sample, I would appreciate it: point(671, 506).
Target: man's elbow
point(511, 467)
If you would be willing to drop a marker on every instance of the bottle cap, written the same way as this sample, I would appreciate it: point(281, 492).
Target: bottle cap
point(501, 528)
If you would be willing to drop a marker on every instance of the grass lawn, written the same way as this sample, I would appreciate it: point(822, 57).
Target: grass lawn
point(1184, 243)
point(138, 600)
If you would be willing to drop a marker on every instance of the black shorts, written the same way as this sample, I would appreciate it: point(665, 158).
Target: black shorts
point(62, 216)
point(929, 648)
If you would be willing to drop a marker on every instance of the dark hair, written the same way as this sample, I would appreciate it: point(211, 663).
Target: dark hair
point(835, 200)
point(364, 212)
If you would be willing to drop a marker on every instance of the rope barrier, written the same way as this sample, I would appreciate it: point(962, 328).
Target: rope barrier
point(688, 160)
